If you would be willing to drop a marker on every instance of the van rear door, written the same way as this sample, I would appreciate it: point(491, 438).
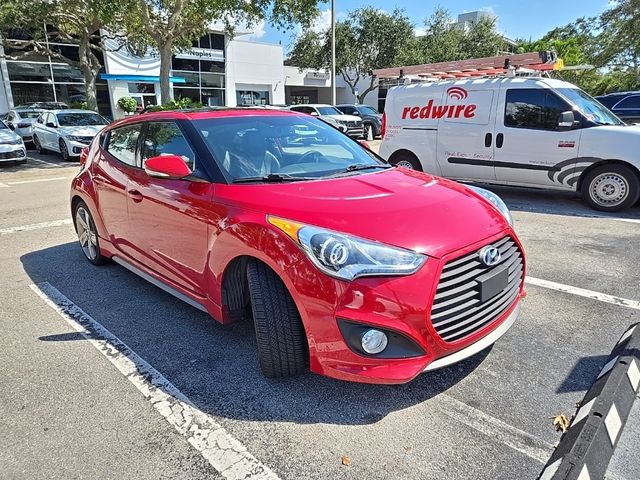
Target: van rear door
point(530, 147)
point(465, 130)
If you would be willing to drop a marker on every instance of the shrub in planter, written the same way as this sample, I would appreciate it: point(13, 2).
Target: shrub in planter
point(127, 104)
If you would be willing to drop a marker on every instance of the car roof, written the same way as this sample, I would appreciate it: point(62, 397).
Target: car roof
point(69, 110)
point(312, 105)
point(204, 113)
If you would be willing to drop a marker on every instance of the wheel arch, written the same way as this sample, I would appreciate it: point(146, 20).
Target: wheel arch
point(402, 151)
point(612, 161)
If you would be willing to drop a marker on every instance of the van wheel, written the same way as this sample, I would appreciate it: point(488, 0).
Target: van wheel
point(406, 160)
point(611, 188)
point(282, 343)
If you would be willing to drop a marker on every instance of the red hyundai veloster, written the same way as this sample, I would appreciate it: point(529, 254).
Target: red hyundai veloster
point(348, 266)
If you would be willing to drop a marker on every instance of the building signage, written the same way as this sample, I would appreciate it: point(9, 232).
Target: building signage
point(317, 76)
point(202, 54)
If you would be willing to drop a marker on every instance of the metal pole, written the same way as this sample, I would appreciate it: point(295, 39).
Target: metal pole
point(333, 52)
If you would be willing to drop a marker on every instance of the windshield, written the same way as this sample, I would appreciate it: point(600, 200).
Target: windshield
point(28, 113)
point(296, 147)
point(590, 107)
point(367, 110)
point(329, 111)
point(80, 119)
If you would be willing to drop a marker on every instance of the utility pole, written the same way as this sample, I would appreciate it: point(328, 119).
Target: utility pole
point(333, 52)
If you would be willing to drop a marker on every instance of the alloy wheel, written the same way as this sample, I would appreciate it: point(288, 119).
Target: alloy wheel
point(87, 234)
point(36, 143)
point(64, 151)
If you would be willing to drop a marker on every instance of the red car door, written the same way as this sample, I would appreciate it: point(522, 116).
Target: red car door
point(168, 219)
point(116, 162)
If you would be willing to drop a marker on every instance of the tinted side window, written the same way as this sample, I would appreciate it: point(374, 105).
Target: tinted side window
point(122, 143)
point(166, 138)
point(630, 102)
point(533, 108)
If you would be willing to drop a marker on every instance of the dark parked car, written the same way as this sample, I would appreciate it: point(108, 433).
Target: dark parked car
point(625, 105)
point(371, 118)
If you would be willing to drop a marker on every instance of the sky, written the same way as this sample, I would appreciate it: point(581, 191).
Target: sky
point(516, 19)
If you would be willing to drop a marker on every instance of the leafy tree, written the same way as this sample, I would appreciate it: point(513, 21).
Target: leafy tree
point(619, 37)
point(76, 22)
point(169, 26)
point(367, 39)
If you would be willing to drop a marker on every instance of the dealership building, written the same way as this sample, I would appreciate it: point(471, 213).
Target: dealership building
point(217, 71)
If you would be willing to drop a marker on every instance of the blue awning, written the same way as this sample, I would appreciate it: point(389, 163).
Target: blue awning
point(139, 78)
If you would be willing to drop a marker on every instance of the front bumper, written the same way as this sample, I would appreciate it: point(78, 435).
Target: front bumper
point(399, 305)
point(75, 148)
point(12, 153)
point(356, 132)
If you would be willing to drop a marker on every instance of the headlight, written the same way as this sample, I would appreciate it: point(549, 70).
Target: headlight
point(75, 138)
point(347, 257)
point(495, 200)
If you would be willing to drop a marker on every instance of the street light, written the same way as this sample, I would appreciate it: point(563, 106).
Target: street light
point(333, 52)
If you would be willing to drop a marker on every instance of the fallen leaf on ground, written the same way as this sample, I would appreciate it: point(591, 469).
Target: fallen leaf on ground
point(346, 461)
point(561, 422)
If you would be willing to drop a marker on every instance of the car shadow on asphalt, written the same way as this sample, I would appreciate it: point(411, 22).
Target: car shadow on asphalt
point(216, 366)
point(554, 202)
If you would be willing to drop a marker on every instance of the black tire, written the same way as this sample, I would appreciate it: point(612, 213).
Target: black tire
point(94, 257)
point(39, 148)
point(406, 160)
point(368, 127)
point(622, 181)
point(282, 343)
point(64, 150)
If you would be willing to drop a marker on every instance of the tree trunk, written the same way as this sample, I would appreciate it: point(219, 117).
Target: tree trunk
point(166, 52)
point(90, 74)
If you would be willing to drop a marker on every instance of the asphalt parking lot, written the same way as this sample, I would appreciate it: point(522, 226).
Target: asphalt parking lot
point(72, 408)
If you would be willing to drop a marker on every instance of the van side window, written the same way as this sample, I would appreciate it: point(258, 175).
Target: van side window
point(534, 108)
point(122, 143)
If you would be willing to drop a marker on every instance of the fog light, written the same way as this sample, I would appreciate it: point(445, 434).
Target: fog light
point(374, 341)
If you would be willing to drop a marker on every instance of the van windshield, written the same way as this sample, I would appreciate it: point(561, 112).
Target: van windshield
point(590, 107)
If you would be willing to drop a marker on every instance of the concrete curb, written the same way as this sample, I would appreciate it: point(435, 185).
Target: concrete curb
point(586, 448)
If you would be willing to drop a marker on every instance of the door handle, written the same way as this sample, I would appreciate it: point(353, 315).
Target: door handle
point(499, 140)
point(487, 140)
point(135, 195)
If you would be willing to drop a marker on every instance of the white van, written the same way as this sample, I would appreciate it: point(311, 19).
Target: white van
point(531, 132)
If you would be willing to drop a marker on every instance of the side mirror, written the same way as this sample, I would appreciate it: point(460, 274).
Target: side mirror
point(314, 114)
point(567, 120)
point(167, 166)
point(51, 125)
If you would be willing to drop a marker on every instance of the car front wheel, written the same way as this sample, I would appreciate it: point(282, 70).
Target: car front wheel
point(88, 234)
point(64, 150)
point(611, 188)
point(282, 343)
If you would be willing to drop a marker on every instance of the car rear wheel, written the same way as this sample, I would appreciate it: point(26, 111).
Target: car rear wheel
point(88, 234)
point(38, 145)
point(406, 160)
point(64, 150)
point(282, 343)
point(611, 188)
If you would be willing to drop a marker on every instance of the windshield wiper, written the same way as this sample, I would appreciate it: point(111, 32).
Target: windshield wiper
point(272, 178)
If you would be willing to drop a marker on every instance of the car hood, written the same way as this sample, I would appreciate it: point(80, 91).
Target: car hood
point(345, 118)
point(398, 207)
point(7, 135)
point(82, 131)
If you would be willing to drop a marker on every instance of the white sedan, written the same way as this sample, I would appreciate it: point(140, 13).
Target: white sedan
point(66, 131)
point(12, 147)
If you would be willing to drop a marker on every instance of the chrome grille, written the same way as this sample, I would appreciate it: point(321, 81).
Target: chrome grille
point(457, 310)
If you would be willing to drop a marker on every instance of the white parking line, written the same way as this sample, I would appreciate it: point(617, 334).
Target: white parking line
point(495, 428)
point(628, 220)
point(3, 185)
point(37, 160)
point(226, 454)
point(38, 180)
point(601, 297)
point(35, 226)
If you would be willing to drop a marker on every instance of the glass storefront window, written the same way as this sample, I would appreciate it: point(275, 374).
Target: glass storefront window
point(69, 51)
point(71, 94)
point(142, 88)
point(212, 80)
point(192, 93)
point(24, 93)
point(185, 64)
point(67, 73)
point(191, 79)
point(217, 41)
point(210, 66)
point(250, 97)
point(28, 72)
point(212, 97)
